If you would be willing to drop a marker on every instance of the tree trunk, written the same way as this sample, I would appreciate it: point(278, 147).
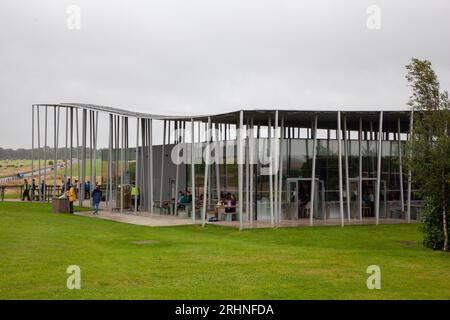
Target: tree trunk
point(444, 218)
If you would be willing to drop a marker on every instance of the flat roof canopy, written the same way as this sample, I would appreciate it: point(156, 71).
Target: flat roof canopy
point(292, 118)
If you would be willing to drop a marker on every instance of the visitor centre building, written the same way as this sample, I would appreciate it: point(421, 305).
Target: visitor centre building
point(247, 167)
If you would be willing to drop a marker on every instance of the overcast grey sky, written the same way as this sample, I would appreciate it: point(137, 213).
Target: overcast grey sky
point(205, 56)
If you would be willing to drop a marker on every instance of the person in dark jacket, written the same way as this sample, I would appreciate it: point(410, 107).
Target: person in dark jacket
point(96, 198)
point(26, 190)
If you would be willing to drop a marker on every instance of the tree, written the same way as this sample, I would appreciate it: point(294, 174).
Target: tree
point(429, 150)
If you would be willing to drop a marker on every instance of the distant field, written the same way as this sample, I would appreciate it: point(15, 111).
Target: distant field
point(12, 167)
point(188, 262)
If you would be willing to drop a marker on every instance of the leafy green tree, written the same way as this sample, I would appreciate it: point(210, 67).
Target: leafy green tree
point(429, 150)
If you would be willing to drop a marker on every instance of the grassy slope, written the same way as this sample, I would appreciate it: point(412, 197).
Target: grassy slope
point(36, 247)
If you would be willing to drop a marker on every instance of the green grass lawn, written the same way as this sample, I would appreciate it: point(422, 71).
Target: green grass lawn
point(189, 262)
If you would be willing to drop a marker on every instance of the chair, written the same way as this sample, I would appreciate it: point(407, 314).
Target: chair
point(365, 210)
point(307, 209)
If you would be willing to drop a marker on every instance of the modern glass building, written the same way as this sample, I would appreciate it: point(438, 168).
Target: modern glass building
point(311, 167)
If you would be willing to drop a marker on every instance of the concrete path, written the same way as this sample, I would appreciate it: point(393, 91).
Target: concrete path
point(142, 219)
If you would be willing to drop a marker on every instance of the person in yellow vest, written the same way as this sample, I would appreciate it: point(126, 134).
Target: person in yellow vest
point(72, 196)
point(135, 197)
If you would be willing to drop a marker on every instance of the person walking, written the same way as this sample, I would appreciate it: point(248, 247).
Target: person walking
point(26, 190)
point(72, 196)
point(96, 198)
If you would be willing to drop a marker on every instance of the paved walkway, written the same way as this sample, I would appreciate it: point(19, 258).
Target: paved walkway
point(142, 218)
point(157, 220)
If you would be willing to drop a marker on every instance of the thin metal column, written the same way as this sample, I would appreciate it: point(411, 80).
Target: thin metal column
point(400, 158)
point(162, 167)
point(411, 132)
point(136, 178)
point(91, 150)
point(71, 146)
point(82, 181)
point(280, 174)
point(150, 163)
point(193, 170)
point(39, 152)
point(55, 144)
point(313, 174)
point(32, 151)
point(177, 142)
point(269, 146)
point(240, 168)
point(360, 169)
point(341, 196)
point(143, 194)
point(94, 181)
point(252, 160)
point(217, 160)
point(347, 182)
point(67, 145)
point(110, 169)
point(78, 151)
point(247, 169)
point(377, 196)
point(44, 191)
point(275, 174)
point(205, 180)
point(122, 161)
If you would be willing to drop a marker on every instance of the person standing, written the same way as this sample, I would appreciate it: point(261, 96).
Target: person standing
point(33, 189)
point(77, 186)
point(26, 190)
point(72, 196)
point(42, 190)
point(87, 190)
point(135, 197)
point(372, 203)
point(96, 198)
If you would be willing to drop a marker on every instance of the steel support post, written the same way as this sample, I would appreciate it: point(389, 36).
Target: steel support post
point(313, 173)
point(347, 181)
point(400, 165)
point(44, 189)
point(136, 178)
point(411, 132)
point(150, 164)
point(341, 196)
point(205, 180)
point(39, 152)
point(360, 169)
point(193, 170)
point(110, 163)
point(240, 166)
point(377, 196)
point(32, 152)
point(280, 171)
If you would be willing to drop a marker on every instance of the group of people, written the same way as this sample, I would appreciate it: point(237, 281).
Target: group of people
point(71, 192)
point(29, 190)
point(228, 200)
point(77, 185)
point(369, 200)
point(183, 199)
